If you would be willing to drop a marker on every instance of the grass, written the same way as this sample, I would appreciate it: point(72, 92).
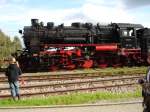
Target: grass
point(74, 98)
point(120, 71)
point(104, 71)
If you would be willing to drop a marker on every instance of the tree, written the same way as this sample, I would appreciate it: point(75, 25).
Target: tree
point(17, 43)
point(7, 47)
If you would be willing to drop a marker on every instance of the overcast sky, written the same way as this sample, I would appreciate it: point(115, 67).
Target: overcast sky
point(14, 14)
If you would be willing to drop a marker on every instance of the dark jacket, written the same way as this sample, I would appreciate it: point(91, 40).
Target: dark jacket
point(13, 72)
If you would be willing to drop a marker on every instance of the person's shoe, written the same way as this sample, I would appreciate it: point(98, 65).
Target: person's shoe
point(14, 98)
point(18, 97)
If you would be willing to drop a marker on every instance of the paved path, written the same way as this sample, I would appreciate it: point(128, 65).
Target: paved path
point(114, 108)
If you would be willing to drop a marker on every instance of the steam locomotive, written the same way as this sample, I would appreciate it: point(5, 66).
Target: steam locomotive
point(83, 45)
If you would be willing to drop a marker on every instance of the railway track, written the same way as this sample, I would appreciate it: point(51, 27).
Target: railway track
point(77, 82)
point(75, 73)
point(70, 90)
point(71, 76)
point(87, 85)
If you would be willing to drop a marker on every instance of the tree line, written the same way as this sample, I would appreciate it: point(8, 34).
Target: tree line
point(8, 46)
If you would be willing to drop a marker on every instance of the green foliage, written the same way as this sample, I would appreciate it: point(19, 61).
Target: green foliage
point(74, 98)
point(7, 47)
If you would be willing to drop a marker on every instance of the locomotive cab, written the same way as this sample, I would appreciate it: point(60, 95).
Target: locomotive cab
point(128, 35)
point(144, 41)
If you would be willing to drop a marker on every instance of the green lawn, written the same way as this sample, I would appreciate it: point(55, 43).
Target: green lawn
point(74, 98)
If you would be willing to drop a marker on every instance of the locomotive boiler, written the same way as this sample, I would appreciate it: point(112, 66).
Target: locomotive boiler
point(83, 45)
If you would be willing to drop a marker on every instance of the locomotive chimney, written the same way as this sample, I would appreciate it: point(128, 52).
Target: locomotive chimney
point(34, 22)
point(50, 25)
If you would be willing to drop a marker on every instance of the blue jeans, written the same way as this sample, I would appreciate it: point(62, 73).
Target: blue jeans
point(14, 88)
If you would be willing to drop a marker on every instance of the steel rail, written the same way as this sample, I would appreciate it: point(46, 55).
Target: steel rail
point(52, 78)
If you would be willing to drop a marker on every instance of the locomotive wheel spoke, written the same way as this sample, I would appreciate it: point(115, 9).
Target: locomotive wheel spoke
point(103, 65)
point(53, 68)
point(87, 64)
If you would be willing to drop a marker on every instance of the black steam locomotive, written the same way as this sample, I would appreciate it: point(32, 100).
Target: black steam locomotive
point(83, 45)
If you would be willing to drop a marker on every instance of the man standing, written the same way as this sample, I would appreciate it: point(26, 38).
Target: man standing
point(12, 72)
point(146, 89)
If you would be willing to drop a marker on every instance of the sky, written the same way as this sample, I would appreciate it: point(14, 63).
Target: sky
point(15, 14)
